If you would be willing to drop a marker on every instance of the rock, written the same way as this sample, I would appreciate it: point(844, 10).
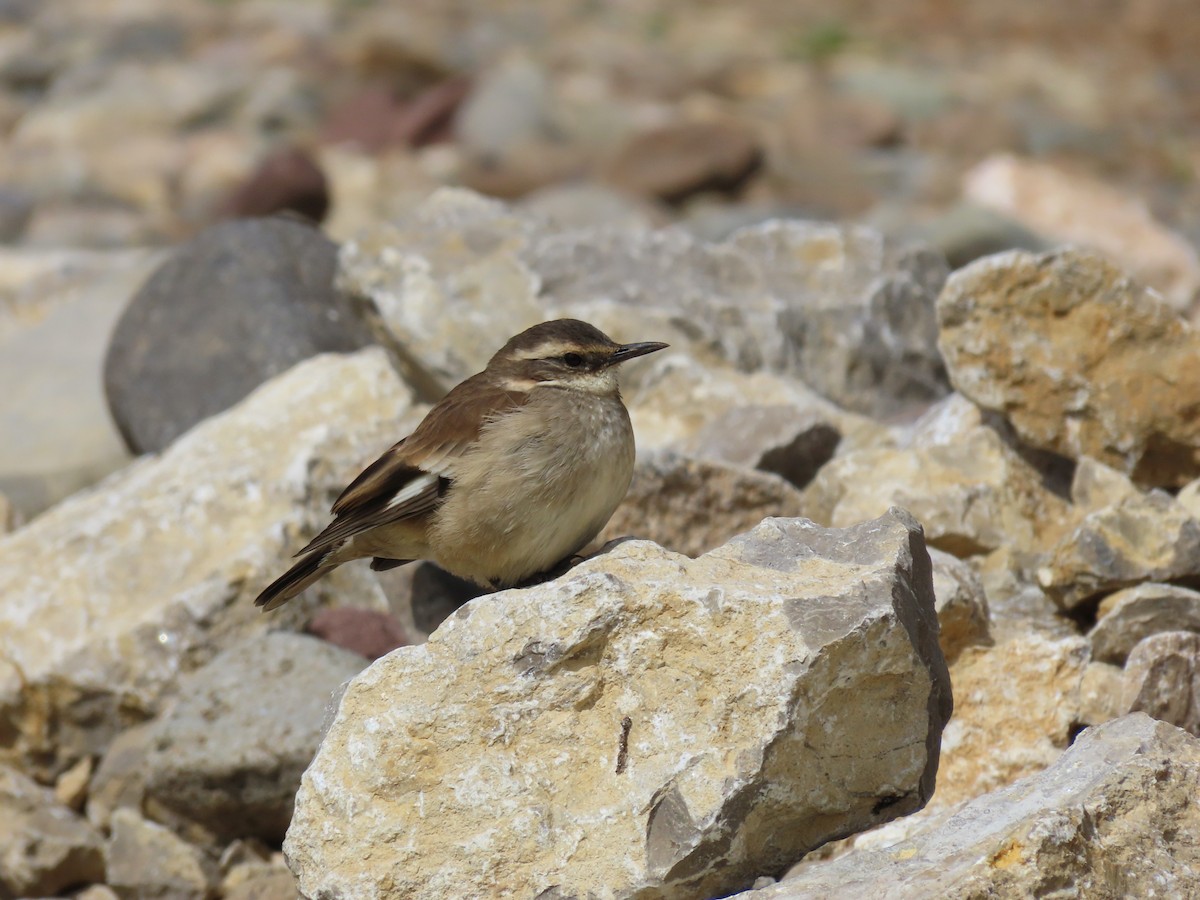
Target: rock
point(228, 755)
point(45, 848)
point(1162, 679)
point(789, 442)
point(973, 493)
point(235, 306)
point(508, 107)
point(366, 632)
point(966, 232)
point(152, 573)
point(858, 313)
point(375, 119)
point(260, 882)
point(1100, 694)
point(1095, 486)
point(648, 724)
point(288, 180)
point(691, 506)
point(57, 308)
point(588, 205)
point(16, 209)
point(1189, 498)
point(422, 596)
point(1113, 817)
point(839, 308)
point(1017, 605)
point(961, 604)
point(120, 779)
point(1016, 709)
point(676, 161)
point(1126, 617)
point(1073, 208)
point(1149, 537)
point(1081, 360)
point(71, 788)
point(148, 860)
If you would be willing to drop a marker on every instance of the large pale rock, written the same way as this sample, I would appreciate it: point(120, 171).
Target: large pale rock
point(839, 307)
point(1079, 358)
point(44, 846)
point(1148, 537)
point(691, 506)
point(228, 755)
point(647, 726)
point(1127, 616)
point(1162, 678)
point(1114, 817)
point(962, 607)
point(57, 309)
point(1073, 208)
point(114, 592)
point(972, 493)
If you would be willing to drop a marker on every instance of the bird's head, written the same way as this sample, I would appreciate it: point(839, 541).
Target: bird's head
point(565, 353)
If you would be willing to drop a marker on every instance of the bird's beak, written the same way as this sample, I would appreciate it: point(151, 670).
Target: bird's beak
point(632, 351)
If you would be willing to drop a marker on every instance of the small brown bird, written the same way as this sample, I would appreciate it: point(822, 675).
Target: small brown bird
point(513, 471)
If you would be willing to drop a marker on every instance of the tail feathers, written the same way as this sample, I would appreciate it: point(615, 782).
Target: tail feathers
point(309, 569)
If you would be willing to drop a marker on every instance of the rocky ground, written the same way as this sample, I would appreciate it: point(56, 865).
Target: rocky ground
point(914, 605)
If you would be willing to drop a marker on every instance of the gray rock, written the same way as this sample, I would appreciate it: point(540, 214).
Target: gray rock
point(1114, 817)
point(648, 725)
point(788, 441)
point(146, 860)
point(16, 208)
point(120, 779)
point(229, 754)
point(235, 306)
point(44, 846)
point(152, 573)
point(57, 309)
point(1126, 617)
point(1162, 679)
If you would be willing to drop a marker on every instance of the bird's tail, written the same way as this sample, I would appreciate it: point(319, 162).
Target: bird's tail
point(310, 568)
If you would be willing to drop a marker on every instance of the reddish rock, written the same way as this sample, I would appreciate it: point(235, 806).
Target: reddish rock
point(364, 631)
point(375, 119)
point(288, 180)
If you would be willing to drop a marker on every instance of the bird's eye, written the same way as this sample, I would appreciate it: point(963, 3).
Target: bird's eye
point(574, 360)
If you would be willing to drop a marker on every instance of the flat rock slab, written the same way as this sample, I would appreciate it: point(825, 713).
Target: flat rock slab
point(1116, 816)
point(1082, 360)
point(648, 726)
point(113, 594)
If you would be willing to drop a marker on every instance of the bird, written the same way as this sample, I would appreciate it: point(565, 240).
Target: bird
point(511, 473)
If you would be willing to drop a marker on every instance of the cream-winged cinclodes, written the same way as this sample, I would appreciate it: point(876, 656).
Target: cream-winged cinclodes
point(513, 471)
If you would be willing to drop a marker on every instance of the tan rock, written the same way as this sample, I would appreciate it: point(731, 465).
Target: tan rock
point(120, 779)
point(1100, 694)
point(44, 846)
point(148, 860)
point(972, 494)
point(1015, 707)
point(1149, 537)
point(1162, 679)
point(113, 593)
point(71, 788)
point(1080, 359)
point(1095, 486)
point(1073, 208)
point(1189, 498)
point(962, 607)
point(1127, 616)
point(647, 724)
point(1113, 817)
point(691, 506)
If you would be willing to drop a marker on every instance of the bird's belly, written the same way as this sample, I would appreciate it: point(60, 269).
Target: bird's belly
point(542, 499)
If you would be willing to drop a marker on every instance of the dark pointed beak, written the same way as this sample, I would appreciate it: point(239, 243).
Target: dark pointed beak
point(631, 351)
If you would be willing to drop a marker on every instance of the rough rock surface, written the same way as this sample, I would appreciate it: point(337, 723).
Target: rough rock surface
point(237, 305)
point(1162, 678)
point(691, 506)
point(962, 607)
point(228, 755)
point(176, 547)
point(148, 860)
point(1147, 537)
point(970, 489)
point(648, 725)
point(1081, 360)
point(1128, 616)
point(841, 308)
point(44, 846)
point(1114, 817)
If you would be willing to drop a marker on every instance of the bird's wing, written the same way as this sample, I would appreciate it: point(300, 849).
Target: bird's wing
point(412, 476)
